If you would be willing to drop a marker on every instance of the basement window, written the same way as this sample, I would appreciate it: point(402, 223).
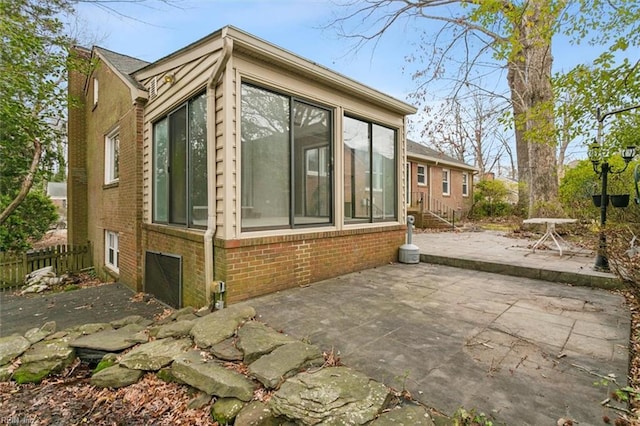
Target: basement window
point(111, 250)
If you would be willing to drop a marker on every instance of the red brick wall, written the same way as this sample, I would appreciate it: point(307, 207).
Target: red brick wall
point(258, 266)
point(455, 199)
point(77, 151)
point(189, 244)
point(95, 207)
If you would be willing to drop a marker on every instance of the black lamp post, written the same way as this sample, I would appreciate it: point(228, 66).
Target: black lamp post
point(602, 169)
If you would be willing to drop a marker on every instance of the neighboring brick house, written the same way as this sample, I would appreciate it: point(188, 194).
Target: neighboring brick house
point(232, 160)
point(438, 183)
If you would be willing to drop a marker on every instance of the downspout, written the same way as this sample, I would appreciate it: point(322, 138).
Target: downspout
point(216, 73)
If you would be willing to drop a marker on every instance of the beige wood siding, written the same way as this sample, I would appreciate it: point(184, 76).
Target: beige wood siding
point(190, 79)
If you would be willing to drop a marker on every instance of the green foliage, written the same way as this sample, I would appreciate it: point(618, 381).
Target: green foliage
point(581, 182)
point(33, 60)
point(33, 217)
point(606, 85)
point(489, 199)
point(462, 417)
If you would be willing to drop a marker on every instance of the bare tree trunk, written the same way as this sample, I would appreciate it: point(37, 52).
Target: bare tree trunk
point(529, 77)
point(515, 78)
point(26, 183)
point(543, 189)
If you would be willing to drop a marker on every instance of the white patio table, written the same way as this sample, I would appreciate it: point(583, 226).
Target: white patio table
point(550, 223)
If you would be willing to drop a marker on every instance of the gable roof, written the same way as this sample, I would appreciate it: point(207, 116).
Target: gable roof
point(423, 152)
point(124, 66)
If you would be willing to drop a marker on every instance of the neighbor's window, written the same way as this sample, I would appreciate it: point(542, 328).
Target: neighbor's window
point(111, 157)
point(369, 171)
point(180, 165)
point(465, 184)
point(95, 92)
point(422, 174)
point(111, 251)
point(445, 181)
point(285, 165)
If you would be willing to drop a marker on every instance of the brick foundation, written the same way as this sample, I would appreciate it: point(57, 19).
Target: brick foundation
point(258, 266)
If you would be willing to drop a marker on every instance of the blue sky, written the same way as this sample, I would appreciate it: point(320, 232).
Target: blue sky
point(158, 29)
point(294, 25)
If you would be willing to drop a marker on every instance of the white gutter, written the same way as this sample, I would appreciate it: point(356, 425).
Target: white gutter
point(216, 73)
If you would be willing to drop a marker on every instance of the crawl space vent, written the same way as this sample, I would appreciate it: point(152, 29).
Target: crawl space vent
point(163, 277)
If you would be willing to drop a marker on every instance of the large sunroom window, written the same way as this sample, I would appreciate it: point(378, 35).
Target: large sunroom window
point(180, 165)
point(286, 161)
point(370, 180)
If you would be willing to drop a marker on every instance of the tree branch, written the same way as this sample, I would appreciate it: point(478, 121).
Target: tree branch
point(26, 183)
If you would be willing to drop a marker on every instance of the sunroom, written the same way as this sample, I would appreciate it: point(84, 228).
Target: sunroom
point(265, 171)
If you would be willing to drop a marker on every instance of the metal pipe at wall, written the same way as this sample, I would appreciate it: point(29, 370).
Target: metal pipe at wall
point(209, 261)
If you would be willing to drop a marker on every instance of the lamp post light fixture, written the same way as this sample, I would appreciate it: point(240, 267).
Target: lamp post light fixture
point(602, 168)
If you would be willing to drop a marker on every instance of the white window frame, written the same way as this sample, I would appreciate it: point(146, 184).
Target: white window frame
point(322, 162)
point(111, 157)
point(465, 184)
point(112, 250)
point(423, 181)
point(96, 90)
point(446, 182)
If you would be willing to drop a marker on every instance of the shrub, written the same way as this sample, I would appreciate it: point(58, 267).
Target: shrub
point(581, 182)
point(489, 199)
point(29, 222)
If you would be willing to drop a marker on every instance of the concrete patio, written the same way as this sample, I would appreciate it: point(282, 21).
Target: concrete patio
point(524, 351)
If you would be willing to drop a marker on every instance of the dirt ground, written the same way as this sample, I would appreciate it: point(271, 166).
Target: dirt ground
point(52, 238)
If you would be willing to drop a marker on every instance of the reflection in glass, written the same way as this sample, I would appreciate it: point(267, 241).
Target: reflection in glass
point(160, 168)
point(265, 158)
point(311, 144)
point(198, 160)
point(369, 171)
point(286, 161)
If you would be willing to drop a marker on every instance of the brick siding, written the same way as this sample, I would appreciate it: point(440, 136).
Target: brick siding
point(190, 246)
point(93, 206)
point(258, 266)
point(77, 215)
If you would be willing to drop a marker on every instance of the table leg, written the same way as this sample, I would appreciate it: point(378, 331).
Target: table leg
point(541, 240)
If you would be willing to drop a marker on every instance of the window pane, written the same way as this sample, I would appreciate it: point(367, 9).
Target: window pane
point(265, 158)
point(421, 175)
point(116, 155)
point(178, 167)
point(465, 184)
point(311, 144)
point(445, 182)
point(198, 163)
point(160, 167)
point(384, 173)
point(357, 179)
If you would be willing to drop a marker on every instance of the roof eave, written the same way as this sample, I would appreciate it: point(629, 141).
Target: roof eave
point(284, 58)
point(439, 161)
point(249, 44)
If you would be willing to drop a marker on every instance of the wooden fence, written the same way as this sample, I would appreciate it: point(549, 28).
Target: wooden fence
point(63, 258)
